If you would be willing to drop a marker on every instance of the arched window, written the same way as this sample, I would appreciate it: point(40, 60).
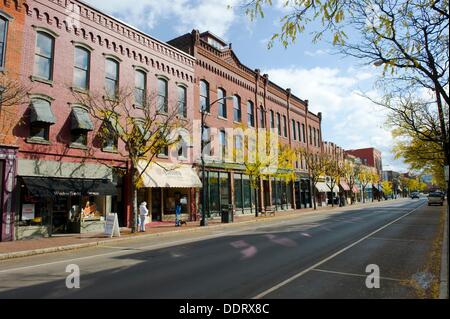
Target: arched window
point(262, 117)
point(81, 68)
point(43, 59)
point(3, 36)
point(222, 103)
point(204, 96)
point(182, 108)
point(140, 87)
point(237, 114)
point(111, 77)
point(162, 96)
point(250, 114)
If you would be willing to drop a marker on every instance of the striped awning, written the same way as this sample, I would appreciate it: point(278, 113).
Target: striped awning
point(344, 186)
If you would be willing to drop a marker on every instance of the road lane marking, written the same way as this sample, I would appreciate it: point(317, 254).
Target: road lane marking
point(323, 215)
point(354, 275)
point(289, 280)
point(143, 248)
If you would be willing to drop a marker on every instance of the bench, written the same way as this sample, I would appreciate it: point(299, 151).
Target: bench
point(269, 210)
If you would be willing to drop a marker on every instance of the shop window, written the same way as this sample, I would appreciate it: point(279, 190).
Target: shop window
point(43, 59)
point(81, 68)
point(238, 191)
point(222, 103)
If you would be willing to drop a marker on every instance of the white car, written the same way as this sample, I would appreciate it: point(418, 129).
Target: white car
point(435, 199)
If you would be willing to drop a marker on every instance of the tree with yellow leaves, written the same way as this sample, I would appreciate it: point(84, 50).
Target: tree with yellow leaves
point(144, 132)
point(315, 163)
point(365, 177)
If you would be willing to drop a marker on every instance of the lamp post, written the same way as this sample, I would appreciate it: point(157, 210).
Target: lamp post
point(204, 221)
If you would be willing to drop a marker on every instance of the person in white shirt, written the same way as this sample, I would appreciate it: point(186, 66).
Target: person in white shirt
point(143, 212)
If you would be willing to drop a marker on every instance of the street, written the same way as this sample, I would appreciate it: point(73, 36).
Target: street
point(319, 255)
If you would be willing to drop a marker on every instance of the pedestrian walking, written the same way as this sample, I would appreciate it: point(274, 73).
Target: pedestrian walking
point(177, 214)
point(143, 212)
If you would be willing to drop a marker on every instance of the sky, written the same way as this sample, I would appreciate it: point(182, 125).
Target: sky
point(333, 84)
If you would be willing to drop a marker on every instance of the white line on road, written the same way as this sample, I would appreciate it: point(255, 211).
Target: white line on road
point(351, 274)
point(175, 243)
point(287, 281)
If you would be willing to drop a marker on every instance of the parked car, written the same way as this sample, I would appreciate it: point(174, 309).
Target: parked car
point(415, 195)
point(435, 199)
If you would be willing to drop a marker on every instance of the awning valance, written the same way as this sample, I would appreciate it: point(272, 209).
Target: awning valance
point(51, 186)
point(41, 112)
point(323, 187)
point(168, 175)
point(344, 186)
point(80, 120)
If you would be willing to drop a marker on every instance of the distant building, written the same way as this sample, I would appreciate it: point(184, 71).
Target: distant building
point(370, 157)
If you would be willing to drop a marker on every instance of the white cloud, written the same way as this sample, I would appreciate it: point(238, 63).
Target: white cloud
point(212, 15)
point(349, 119)
point(317, 52)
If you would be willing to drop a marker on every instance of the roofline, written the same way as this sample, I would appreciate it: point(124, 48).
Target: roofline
point(135, 29)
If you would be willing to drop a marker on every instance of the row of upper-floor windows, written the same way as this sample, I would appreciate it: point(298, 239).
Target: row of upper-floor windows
point(44, 66)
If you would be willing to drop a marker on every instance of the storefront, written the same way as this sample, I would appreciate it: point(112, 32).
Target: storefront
point(302, 193)
point(51, 205)
point(164, 186)
point(281, 194)
point(61, 197)
point(7, 186)
point(324, 195)
point(345, 192)
point(244, 195)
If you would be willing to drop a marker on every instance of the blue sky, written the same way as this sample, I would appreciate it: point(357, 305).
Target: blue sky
point(332, 84)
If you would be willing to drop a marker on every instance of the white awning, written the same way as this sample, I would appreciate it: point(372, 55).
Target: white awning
point(322, 187)
point(168, 175)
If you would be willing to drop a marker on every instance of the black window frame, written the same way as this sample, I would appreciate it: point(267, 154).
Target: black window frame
point(3, 42)
point(222, 107)
point(237, 109)
point(204, 96)
point(250, 114)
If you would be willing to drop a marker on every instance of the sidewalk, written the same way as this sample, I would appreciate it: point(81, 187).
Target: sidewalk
point(23, 248)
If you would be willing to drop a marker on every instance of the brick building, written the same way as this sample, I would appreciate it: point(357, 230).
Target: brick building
point(257, 104)
point(12, 19)
point(62, 171)
point(370, 157)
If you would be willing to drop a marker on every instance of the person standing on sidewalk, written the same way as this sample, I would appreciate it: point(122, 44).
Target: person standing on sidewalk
point(143, 212)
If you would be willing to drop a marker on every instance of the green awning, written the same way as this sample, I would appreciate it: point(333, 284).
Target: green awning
point(41, 112)
point(80, 120)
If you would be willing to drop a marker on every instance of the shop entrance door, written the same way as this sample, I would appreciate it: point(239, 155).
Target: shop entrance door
point(297, 194)
point(156, 204)
point(60, 214)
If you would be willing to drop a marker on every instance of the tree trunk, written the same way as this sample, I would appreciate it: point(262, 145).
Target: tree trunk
point(363, 194)
point(134, 205)
point(313, 189)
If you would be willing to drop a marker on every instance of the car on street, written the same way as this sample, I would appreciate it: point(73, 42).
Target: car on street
point(435, 199)
point(415, 195)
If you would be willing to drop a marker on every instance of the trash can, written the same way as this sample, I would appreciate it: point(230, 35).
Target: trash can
point(227, 214)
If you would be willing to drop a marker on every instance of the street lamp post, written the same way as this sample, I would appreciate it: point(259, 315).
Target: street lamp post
point(204, 220)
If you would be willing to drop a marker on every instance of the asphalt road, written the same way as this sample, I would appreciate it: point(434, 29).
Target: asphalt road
point(321, 255)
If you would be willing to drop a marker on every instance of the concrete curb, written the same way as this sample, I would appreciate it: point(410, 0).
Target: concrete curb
point(283, 216)
point(443, 291)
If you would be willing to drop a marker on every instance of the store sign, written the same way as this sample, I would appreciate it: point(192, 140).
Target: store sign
point(112, 226)
point(72, 193)
point(28, 211)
